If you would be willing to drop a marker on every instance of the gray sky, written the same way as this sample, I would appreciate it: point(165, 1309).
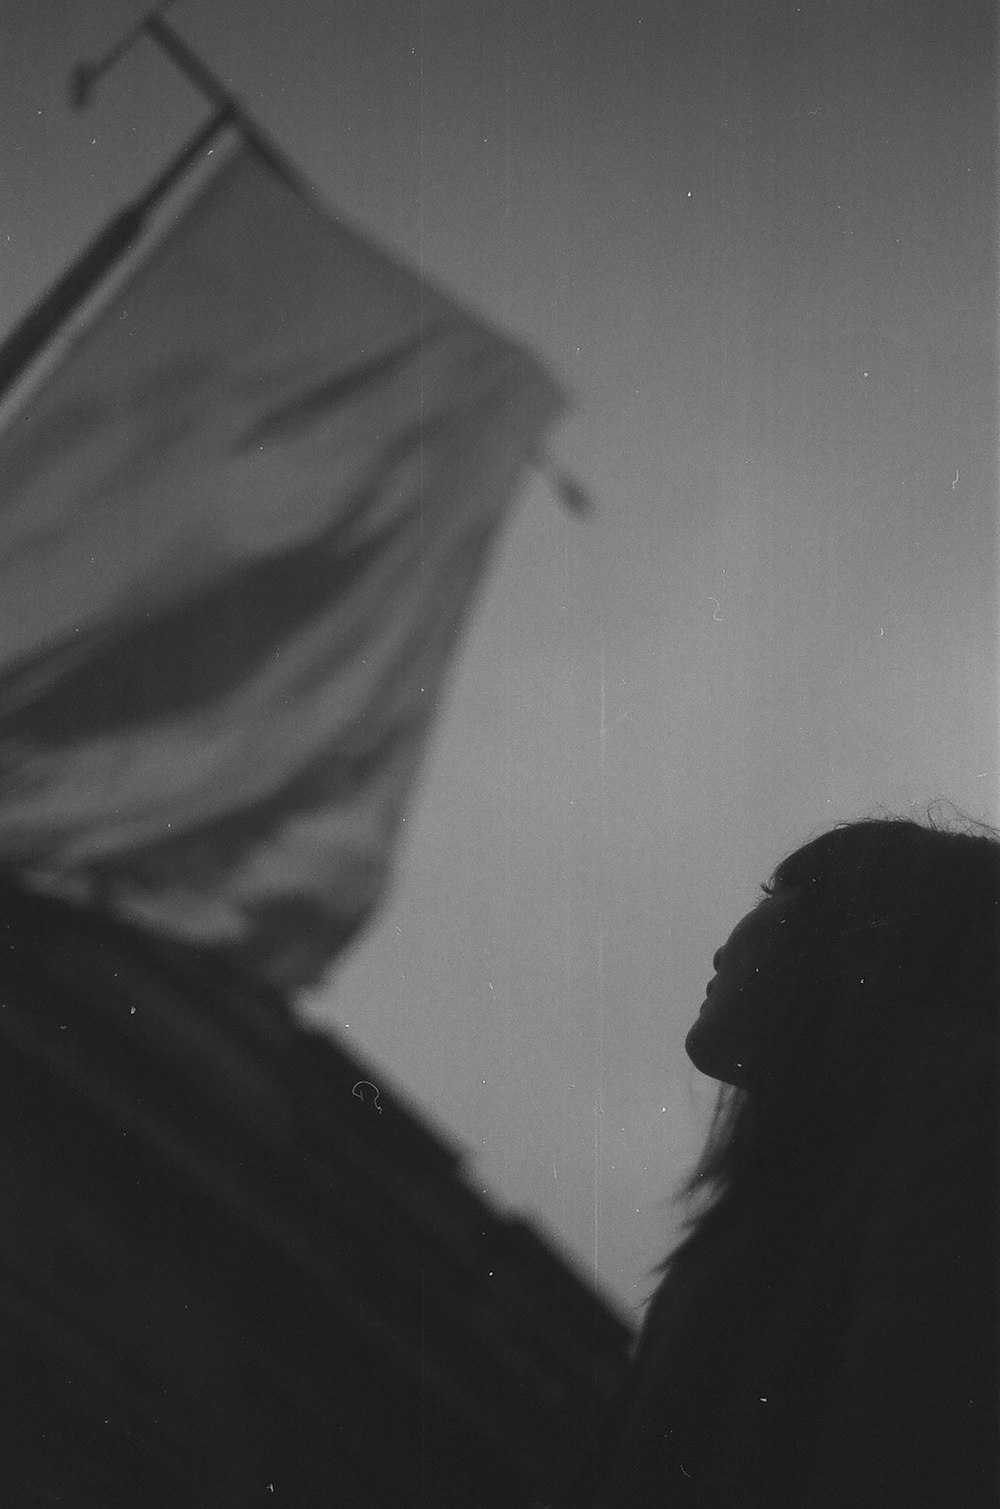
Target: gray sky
point(757, 242)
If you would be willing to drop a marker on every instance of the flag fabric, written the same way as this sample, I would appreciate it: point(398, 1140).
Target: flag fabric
point(240, 523)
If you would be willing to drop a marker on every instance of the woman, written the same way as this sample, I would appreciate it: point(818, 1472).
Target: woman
point(826, 1334)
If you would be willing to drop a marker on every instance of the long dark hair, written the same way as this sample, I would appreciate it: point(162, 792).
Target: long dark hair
point(883, 989)
point(895, 938)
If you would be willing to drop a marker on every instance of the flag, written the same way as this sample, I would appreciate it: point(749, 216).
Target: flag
point(240, 523)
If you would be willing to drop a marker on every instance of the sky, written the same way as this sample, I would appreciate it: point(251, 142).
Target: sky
point(756, 242)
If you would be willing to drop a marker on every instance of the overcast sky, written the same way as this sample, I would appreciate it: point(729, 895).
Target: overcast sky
point(757, 243)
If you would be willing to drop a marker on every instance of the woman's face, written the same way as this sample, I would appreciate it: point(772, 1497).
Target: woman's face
point(727, 1037)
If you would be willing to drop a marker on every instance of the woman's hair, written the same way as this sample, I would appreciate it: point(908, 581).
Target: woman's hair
point(894, 930)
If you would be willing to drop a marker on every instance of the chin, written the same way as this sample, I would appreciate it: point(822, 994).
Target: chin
point(709, 1059)
point(697, 1050)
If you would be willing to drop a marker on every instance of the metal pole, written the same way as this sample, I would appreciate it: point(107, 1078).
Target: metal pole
point(190, 65)
point(68, 292)
point(86, 75)
point(201, 77)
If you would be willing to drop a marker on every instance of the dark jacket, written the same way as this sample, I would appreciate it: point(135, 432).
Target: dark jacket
point(849, 1361)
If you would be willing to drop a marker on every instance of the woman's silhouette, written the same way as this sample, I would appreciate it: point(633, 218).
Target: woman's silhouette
point(826, 1334)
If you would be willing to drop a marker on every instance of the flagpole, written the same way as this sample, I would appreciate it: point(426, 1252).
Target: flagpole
point(200, 76)
point(197, 73)
point(85, 76)
point(203, 79)
point(43, 319)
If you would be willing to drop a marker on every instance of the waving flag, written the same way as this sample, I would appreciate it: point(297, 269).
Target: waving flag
point(240, 522)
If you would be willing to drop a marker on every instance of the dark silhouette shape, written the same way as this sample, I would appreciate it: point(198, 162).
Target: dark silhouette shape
point(825, 1336)
point(227, 1280)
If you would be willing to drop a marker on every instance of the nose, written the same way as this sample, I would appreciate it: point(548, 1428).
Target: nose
point(717, 959)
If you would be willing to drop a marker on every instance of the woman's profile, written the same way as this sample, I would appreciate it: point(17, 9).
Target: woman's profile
point(825, 1336)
